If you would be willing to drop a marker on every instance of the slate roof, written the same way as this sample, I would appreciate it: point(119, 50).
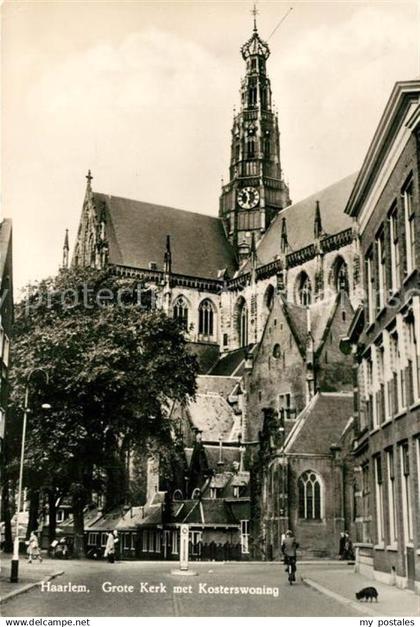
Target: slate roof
point(137, 231)
point(321, 424)
point(221, 385)
point(230, 362)
point(230, 454)
point(207, 355)
point(300, 220)
point(241, 478)
point(320, 315)
point(212, 415)
point(206, 512)
point(220, 479)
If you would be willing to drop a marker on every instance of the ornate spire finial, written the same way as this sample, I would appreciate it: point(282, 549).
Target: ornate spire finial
point(167, 259)
point(255, 13)
point(66, 251)
point(89, 178)
point(317, 221)
point(284, 244)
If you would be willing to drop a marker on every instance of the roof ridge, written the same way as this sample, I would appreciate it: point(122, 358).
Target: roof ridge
point(349, 394)
point(153, 204)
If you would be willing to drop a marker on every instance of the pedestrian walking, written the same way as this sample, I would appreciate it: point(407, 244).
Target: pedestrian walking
point(110, 548)
point(33, 550)
point(348, 548)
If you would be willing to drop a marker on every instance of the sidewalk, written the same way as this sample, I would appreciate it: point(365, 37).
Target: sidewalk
point(30, 575)
point(341, 583)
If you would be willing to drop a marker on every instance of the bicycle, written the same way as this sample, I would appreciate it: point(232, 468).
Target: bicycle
point(291, 569)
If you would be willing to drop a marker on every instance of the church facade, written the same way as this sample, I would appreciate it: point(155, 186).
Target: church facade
point(265, 291)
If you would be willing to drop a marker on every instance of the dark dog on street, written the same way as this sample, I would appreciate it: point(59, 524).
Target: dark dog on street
point(368, 593)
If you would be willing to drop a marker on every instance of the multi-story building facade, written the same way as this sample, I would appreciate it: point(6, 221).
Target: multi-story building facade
point(6, 321)
point(385, 334)
point(6, 317)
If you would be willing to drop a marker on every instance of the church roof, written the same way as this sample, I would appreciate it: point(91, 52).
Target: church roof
point(321, 424)
point(137, 231)
point(300, 220)
point(224, 386)
point(212, 415)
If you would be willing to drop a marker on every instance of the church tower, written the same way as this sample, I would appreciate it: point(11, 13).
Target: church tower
point(256, 191)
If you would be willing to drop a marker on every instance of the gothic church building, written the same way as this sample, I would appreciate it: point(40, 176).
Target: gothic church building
point(265, 292)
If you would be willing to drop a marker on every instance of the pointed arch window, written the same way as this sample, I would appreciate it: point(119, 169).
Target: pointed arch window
point(269, 297)
point(310, 496)
point(242, 321)
point(304, 290)
point(180, 312)
point(341, 276)
point(206, 318)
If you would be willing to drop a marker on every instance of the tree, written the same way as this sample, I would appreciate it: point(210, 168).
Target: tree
point(114, 365)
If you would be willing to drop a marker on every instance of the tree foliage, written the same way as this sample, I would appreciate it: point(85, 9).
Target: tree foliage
point(114, 364)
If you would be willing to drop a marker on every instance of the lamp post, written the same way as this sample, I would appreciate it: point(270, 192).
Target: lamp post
point(14, 574)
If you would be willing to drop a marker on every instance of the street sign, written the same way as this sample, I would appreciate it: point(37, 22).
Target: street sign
point(183, 550)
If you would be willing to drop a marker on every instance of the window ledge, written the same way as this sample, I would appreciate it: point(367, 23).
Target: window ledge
point(370, 327)
point(392, 547)
point(414, 405)
point(381, 312)
point(374, 430)
point(379, 547)
point(363, 545)
point(401, 413)
point(387, 422)
point(408, 277)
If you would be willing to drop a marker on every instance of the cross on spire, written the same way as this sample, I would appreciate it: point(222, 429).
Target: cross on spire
point(89, 178)
point(255, 13)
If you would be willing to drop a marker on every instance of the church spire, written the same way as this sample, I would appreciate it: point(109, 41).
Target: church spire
point(89, 178)
point(284, 244)
point(66, 249)
point(317, 221)
point(255, 13)
point(256, 190)
point(168, 256)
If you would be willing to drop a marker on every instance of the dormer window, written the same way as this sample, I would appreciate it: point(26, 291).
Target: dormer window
point(153, 265)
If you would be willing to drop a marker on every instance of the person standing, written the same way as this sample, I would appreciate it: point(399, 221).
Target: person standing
point(33, 550)
point(110, 548)
point(116, 545)
point(342, 544)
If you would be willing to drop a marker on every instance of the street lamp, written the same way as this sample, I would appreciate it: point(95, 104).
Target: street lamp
point(14, 574)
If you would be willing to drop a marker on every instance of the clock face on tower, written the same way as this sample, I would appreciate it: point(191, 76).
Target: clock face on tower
point(248, 197)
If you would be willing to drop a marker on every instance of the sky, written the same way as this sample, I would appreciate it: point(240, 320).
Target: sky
point(142, 93)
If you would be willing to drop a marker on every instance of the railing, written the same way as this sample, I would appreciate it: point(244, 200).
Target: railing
point(336, 241)
point(300, 256)
point(158, 276)
point(240, 281)
point(269, 269)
